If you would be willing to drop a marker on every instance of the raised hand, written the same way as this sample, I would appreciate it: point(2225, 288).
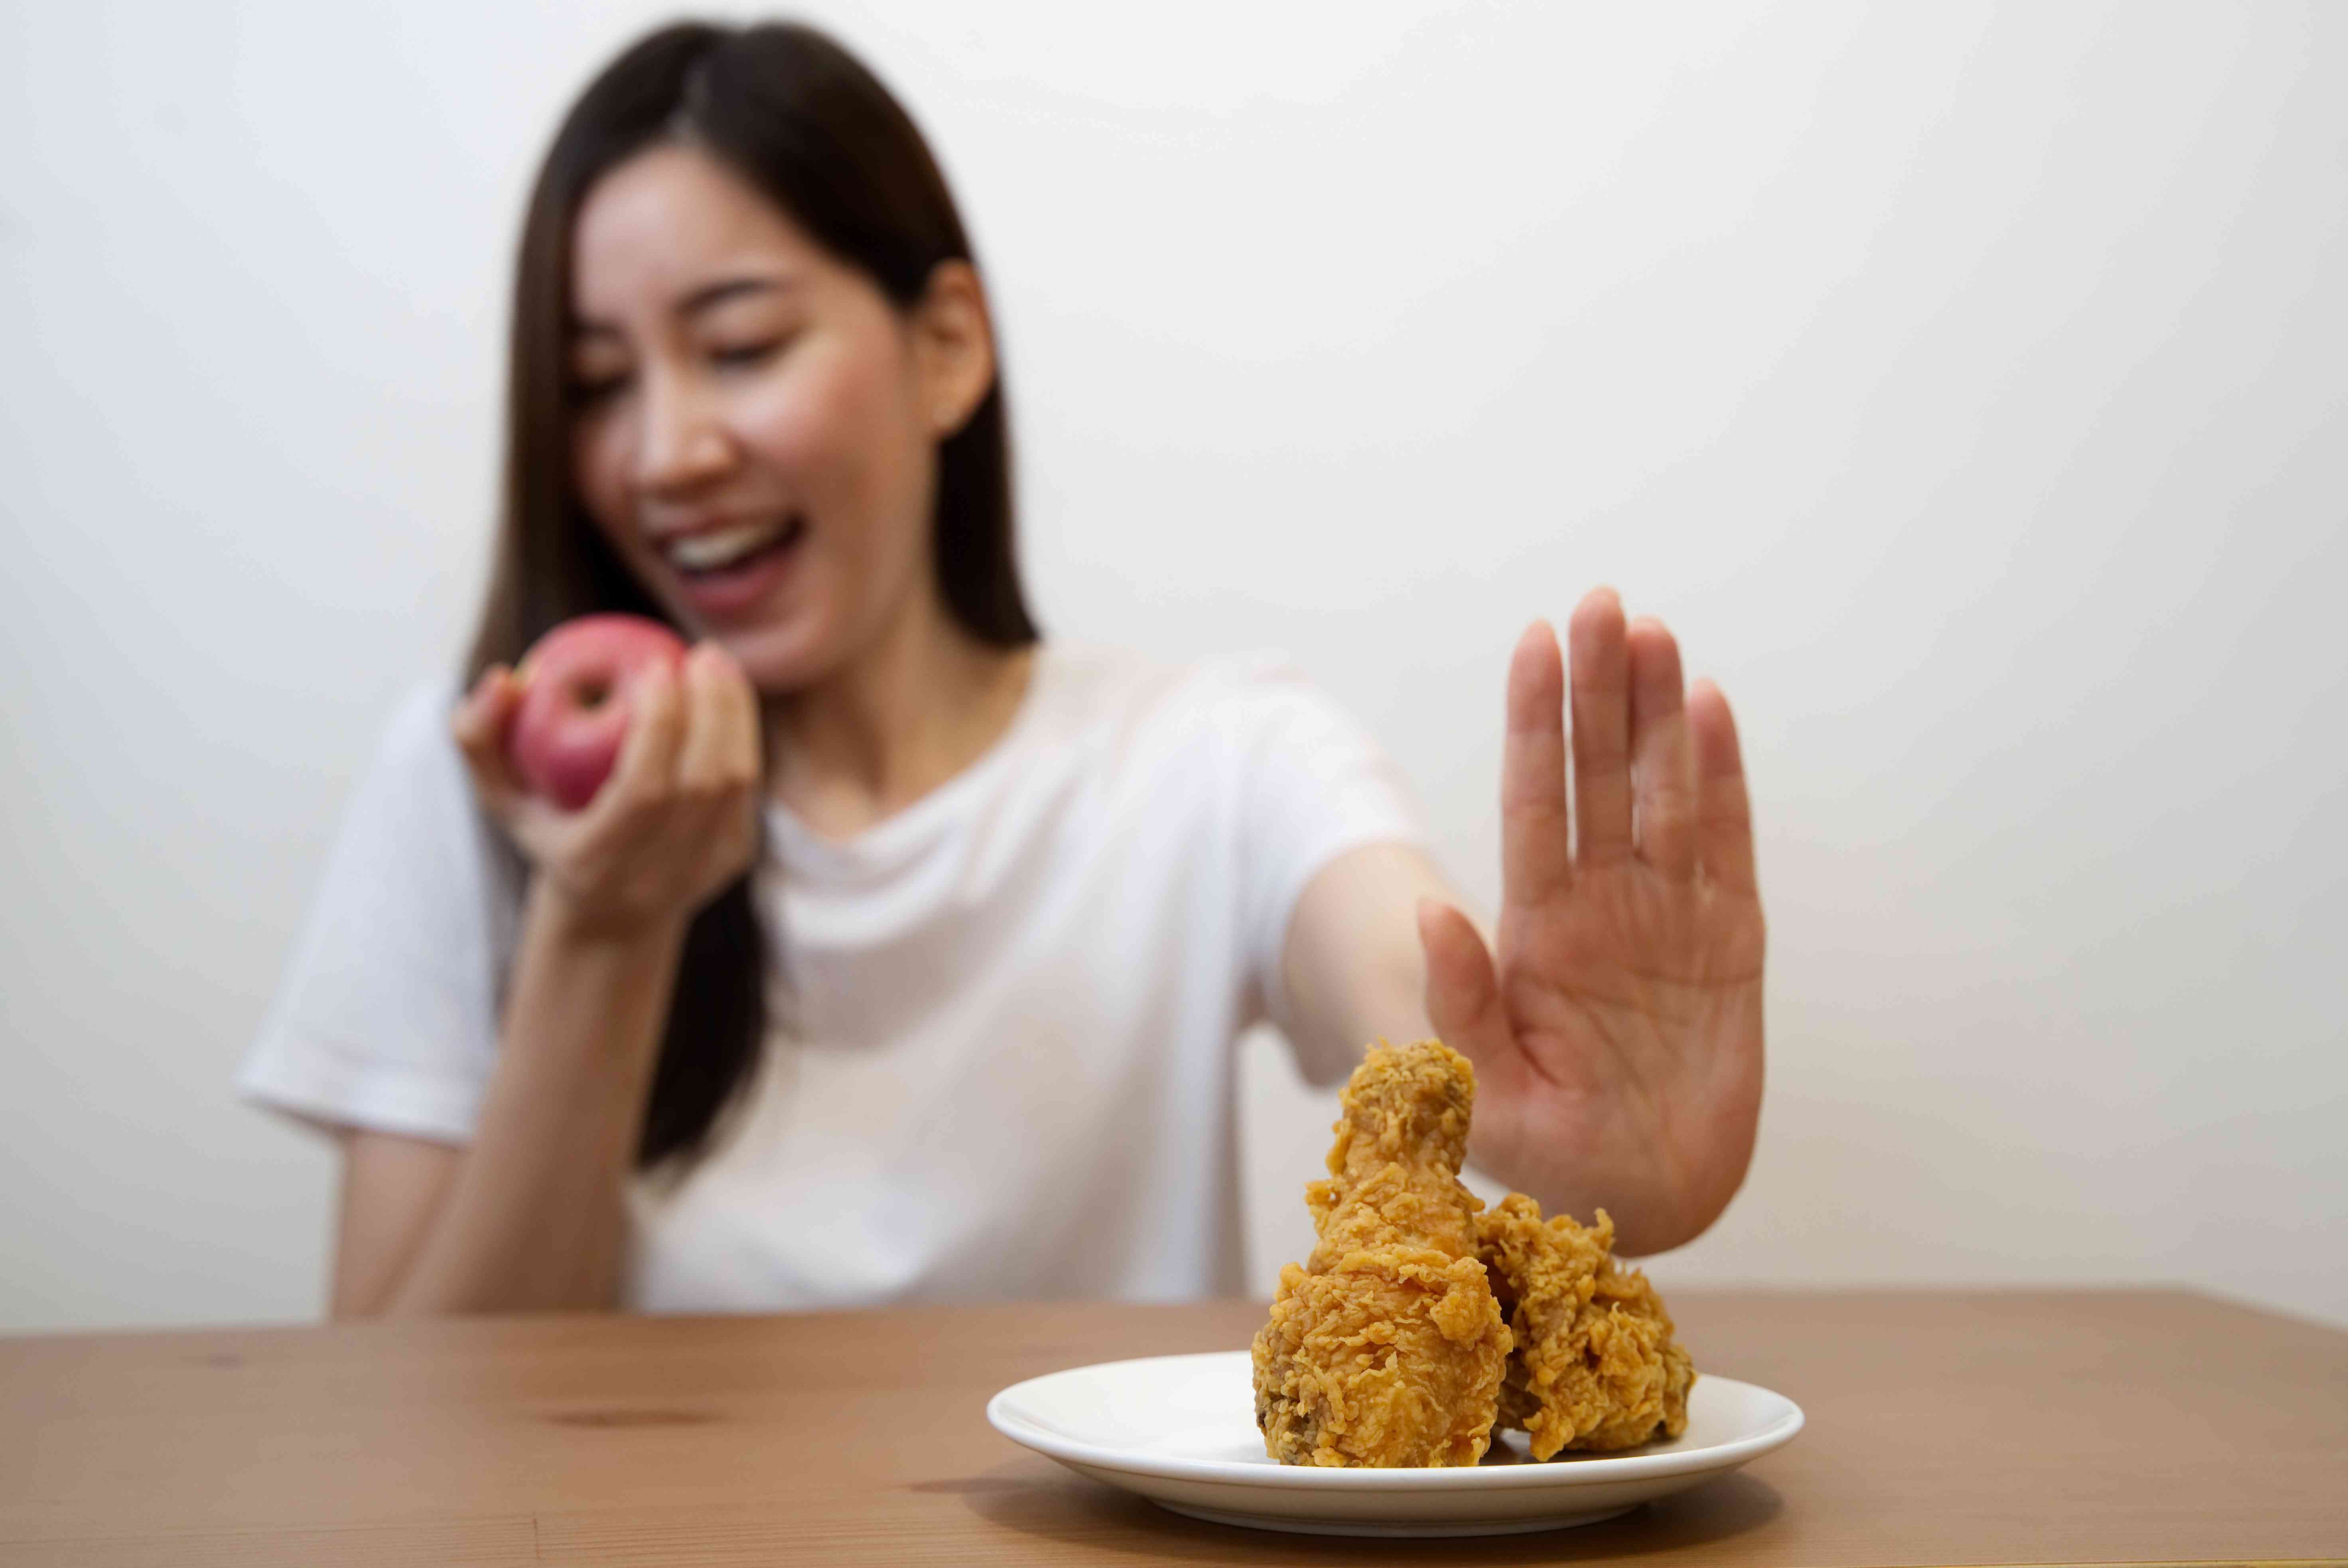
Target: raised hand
point(675, 823)
point(1617, 1038)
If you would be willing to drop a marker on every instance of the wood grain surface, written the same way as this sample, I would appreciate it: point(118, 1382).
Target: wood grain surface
point(2097, 1426)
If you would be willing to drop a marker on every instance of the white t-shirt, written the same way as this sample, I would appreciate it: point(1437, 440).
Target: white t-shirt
point(1001, 1060)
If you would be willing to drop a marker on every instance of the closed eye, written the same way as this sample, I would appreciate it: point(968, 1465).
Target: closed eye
point(586, 391)
point(746, 356)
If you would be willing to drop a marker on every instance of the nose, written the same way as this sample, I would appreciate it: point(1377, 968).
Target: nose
point(681, 442)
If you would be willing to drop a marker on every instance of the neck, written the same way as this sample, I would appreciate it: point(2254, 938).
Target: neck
point(921, 704)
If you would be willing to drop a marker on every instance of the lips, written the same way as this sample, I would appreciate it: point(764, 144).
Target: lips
point(730, 545)
point(729, 567)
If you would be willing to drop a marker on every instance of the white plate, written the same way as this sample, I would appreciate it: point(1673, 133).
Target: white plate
point(1180, 1431)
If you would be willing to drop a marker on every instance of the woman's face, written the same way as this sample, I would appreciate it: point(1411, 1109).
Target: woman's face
point(754, 422)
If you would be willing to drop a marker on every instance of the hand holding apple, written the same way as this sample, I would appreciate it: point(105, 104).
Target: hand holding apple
point(660, 829)
point(574, 705)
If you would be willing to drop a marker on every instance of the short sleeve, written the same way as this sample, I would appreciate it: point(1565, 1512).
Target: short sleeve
point(1313, 784)
point(387, 1018)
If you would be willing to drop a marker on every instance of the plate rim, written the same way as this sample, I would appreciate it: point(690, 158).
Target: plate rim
point(1590, 1471)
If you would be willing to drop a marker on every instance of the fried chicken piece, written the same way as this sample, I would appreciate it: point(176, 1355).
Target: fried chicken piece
point(1595, 1365)
point(1393, 1170)
point(1386, 1347)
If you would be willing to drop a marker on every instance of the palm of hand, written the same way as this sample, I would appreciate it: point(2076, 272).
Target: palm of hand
point(1618, 1036)
point(672, 825)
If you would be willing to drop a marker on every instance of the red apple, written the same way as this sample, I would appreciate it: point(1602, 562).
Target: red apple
point(566, 733)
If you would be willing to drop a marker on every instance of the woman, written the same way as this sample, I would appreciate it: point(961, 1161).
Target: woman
point(903, 954)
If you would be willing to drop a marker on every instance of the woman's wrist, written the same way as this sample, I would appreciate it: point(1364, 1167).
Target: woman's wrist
point(587, 991)
point(566, 920)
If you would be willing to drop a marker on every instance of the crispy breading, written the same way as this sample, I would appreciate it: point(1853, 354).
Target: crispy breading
point(1386, 1347)
point(1596, 1365)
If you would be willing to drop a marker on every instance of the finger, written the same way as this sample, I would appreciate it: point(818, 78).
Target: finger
point(646, 771)
point(704, 760)
point(1536, 835)
point(719, 764)
point(1662, 770)
point(1463, 989)
point(479, 726)
point(1602, 728)
point(738, 741)
point(1723, 804)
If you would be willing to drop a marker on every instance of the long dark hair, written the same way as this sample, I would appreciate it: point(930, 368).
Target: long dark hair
point(802, 121)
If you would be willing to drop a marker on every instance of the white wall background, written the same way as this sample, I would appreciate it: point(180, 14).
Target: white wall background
point(1964, 383)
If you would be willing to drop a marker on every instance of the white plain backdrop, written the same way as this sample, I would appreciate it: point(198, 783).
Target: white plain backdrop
point(1965, 385)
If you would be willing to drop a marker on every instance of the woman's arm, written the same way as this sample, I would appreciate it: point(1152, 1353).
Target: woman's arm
point(1615, 1021)
point(1351, 964)
point(531, 1213)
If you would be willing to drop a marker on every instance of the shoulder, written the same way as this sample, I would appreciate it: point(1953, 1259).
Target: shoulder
point(416, 752)
point(1220, 700)
point(387, 1014)
point(414, 800)
point(417, 735)
point(1237, 738)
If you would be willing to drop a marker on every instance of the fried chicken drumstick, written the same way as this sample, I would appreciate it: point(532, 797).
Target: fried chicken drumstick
point(1421, 1321)
point(1388, 1347)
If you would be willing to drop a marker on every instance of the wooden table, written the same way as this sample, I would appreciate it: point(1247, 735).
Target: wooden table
point(1943, 1428)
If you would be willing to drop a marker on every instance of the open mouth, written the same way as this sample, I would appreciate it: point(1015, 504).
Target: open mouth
point(723, 552)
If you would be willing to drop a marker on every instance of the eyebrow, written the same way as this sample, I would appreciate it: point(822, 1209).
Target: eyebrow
point(707, 297)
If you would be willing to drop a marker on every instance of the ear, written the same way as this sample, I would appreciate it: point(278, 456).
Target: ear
point(954, 346)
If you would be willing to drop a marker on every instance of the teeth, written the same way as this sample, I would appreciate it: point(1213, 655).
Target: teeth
point(721, 547)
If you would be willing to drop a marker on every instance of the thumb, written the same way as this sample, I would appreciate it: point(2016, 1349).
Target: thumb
point(479, 726)
point(1463, 990)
